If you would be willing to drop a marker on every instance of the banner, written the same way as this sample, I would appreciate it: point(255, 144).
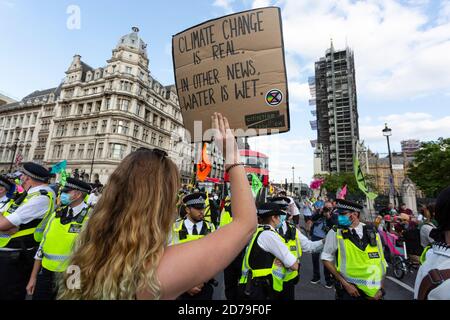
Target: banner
point(60, 166)
point(256, 184)
point(361, 181)
point(203, 168)
point(234, 65)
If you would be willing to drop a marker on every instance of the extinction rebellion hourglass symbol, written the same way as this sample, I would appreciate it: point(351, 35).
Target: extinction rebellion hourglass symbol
point(274, 97)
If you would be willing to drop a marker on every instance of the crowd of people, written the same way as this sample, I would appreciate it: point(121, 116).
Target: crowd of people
point(141, 236)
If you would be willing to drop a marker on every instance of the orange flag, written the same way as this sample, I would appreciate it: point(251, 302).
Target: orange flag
point(203, 168)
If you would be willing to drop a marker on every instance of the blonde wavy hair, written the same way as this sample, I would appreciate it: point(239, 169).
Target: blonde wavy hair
point(120, 249)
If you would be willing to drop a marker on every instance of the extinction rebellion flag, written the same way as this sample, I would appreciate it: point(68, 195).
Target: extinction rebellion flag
point(362, 181)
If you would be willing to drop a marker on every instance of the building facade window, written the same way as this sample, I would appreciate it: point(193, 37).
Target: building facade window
point(71, 151)
point(81, 151)
point(145, 135)
point(153, 141)
point(76, 128)
point(90, 151)
point(65, 111)
point(135, 131)
point(84, 128)
point(125, 86)
point(94, 127)
point(138, 109)
point(98, 105)
point(122, 127)
point(104, 125)
point(117, 151)
point(100, 150)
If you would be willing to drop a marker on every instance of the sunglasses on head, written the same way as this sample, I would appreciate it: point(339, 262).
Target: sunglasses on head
point(160, 153)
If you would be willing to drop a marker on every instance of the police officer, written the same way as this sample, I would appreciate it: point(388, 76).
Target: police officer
point(193, 227)
point(21, 227)
point(59, 237)
point(266, 257)
point(433, 277)
point(359, 267)
point(6, 187)
point(297, 243)
point(232, 272)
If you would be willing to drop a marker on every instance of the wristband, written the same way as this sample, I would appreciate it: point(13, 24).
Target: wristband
point(227, 170)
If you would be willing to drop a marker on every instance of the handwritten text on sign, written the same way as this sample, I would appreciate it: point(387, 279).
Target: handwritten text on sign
point(233, 65)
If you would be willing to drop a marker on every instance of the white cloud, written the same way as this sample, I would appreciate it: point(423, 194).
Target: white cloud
point(396, 52)
point(299, 93)
point(421, 126)
point(284, 151)
point(261, 3)
point(226, 5)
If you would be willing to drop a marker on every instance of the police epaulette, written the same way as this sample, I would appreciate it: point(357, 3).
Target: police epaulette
point(335, 227)
point(43, 192)
point(266, 227)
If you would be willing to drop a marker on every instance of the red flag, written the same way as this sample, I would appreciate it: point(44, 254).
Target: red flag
point(204, 167)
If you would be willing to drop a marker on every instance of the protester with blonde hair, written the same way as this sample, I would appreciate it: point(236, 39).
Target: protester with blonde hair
point(123, 252)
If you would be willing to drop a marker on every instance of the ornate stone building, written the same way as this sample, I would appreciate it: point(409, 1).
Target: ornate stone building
point(97, 116)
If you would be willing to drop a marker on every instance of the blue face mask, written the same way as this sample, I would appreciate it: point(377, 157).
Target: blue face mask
point(65, 199)
point(282, 220)
point(344, 221)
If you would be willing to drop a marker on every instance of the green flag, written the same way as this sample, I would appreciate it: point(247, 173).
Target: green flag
point(256, 184)
point(362, 181)
point(63, 179)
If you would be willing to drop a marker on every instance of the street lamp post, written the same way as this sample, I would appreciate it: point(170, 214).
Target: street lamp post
point(16, 143)
point(93, 157)
point(293, 180)
point(387, 132)
point(300, 187)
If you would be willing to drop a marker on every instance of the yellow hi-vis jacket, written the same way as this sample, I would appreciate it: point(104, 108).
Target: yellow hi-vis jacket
point(292, 242)
point(275, 272)
point(59, 239)
point(225, 215)
point(37, 231)
point(180, 234)
point(363, 268)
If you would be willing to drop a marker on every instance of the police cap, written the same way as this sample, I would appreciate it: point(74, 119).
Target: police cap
point(35, 171)
point(6, 183)
point(270, 209)
point(343, 206)
point(282, 201)
point(196, 200)
point(75, 184)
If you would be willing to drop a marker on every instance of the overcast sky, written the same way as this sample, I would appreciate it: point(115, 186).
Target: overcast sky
point(401, 54)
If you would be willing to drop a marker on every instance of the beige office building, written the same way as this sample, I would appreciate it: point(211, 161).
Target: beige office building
point(97, 116)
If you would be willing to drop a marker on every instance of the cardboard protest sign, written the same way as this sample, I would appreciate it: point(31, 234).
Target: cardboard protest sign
point(233, 65)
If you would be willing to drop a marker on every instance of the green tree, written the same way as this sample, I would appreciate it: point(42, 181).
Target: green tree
point(335, 181)
point(431, 167)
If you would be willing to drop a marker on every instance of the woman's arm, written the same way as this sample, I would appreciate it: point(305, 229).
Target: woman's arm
point(186, 265)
